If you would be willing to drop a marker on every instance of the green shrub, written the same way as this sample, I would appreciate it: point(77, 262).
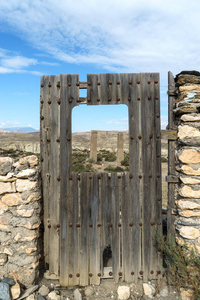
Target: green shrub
point(111, 156)
point(125, 161)
point(114, 169)
point(164, 159)
point(183, 264)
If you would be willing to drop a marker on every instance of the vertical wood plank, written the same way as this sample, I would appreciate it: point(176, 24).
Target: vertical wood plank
point(171, 158)
point(92, 90)
point(54, 165)
point(45, 151)
point(69, 93)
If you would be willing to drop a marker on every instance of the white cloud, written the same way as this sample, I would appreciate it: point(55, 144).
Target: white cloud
point(17, 62)
point(123, 121)
point(8, 123)
point(145, 35)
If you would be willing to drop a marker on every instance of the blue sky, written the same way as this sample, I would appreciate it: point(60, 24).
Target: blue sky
point(94, 36)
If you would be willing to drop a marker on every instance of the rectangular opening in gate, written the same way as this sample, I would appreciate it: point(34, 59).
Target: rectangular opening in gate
point(100, 138)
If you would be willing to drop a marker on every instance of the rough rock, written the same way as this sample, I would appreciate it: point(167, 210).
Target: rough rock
point(188, 132)
point(188, 192)
point(123, 292)
point(7, 187)
point(3, 259)
point(186, 294)
point(190, 118)
point(89, 291)
point(183, 204)
point(53, 296)
point(5, 291)
point(32, 160)
point(15, 291)
point(31, 297)
point(190, 156)
point(190, 180)
point(148, 289)
point(190, 233)
point(26, 173)
point(23, 185)
point(77, 295)
point(187, 88)
point(44, 290)
point(190, 170)
point(189, 213)
point(164, 292)
point(12, 199)
point(5, 165)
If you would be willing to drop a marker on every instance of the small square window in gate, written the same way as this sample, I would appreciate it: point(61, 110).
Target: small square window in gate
point(100, 138)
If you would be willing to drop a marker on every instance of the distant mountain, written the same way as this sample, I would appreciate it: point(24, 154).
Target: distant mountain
point(20, 129)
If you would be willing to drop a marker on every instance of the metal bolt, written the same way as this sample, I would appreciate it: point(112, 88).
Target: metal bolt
point(158, 136)
point(132, 137)
point(98, 83)
point(58, 140)
point(129, 98)
point(109, 176)
point(70, 177)
point(139, 137)
point(58, 102)
point(77, 84)
point(119, 224)
point(110, 225)
point(78, 101)
point(90, 177)
point(118, 99)
point(152, 223)
point(58, 178)
point(159, 223)
point(110, 273)
point(120, 273)
point(157, 116)
point(141, 272)
point(78, 225)
point(138, 98)
point(78, 177)
point(132, 273)
point(156, 98)
point(131, 224)
point(140, 224)
point(150, 175)
point(90, 274)
point(156, 81)
point(119, 177)
point(89, 83)
point(109, 99)
point(89, 100)
point(159, 199)
point(49, 226)
point(99, 177)
point(140, 176)
point(148, 81)
point(69, 84)
point(130, 82)
point(58, 226)
point(49, 102)
point(99, 274)
point(110, 82)
point(49, 85)
point(42, 85)
point(77, 275)
point(42, 159)
point(158, 155)
point(48, 140)
point(42, 118)
point(130, 176)
point(138, 82)
point(98, 99)
point(98, 225)
point(151, 136)
point(70, 224)
point(69, 139)
point(70, 100)
point(90, 225)
point(58, 84)
point(118, 82)
point(41, 101)
point(159, 250)
point(70, 275)
point(149, 98)
point(158, 272)
point(158, 176)
point(151, 271)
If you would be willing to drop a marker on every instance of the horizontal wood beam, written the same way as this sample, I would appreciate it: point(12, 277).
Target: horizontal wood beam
point(171, 135)
point(83, 85)
point(172, 179)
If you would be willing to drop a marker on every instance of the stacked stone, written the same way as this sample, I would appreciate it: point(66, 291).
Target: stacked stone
point(20, 218)
point(187, 115)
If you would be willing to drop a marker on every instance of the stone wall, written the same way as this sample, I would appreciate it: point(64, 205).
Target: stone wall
point(20, 218)
point(187, 118)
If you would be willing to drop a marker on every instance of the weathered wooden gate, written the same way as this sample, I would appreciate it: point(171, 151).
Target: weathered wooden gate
point(84, 213)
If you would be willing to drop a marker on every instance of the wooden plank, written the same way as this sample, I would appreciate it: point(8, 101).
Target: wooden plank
point(68, 90)
point(171, 158)
point(45, 161)
point(92, 90)
point(54, 165)
point(104, 88)
point(172, 179)
point(131, 206)
point(86, 189)
point(116, 182)
point(95, 231)
point(169, 135)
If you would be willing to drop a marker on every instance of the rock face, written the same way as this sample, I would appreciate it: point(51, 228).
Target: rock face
point(20, 207)
point(187, 118)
